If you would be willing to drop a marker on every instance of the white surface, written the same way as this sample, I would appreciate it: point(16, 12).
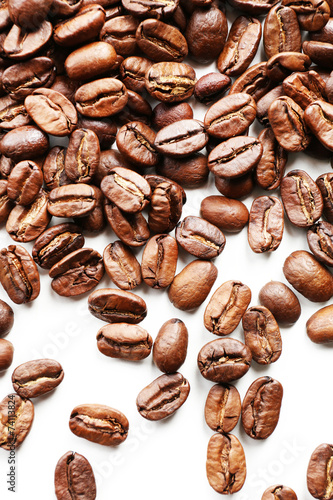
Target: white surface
point(163, 460)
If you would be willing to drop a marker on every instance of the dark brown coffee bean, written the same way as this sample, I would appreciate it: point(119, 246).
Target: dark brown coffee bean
point(308, 276)
point(67, 87)
point(164, 114)
point(237, 187)
point(266, 224)
point(101, 98)
point(261, 407)
point(200, 238)
point(24, 143)
point(235, 157)
point(304, 88)
point(117, 306)
point(281, 31)
point(319, 118)
point(127, 189)
point(28, 14)
point(136, 109)
point(301, 198)
point(54, 168)
point(325, 184)
point(6, 318)
point(21, 44)
point(226, 465)
point(90, 61)
point(311, 16)
point(163, 396)
point(124, 341)
point(159, 261)
point(6, 354)
point(170, 346)
point(265, 102)
point(170, 82)
point(181, 138)
point(120, 34)
point(225, 213)
point(16, 417)
point(19, 274)
point(283, 64)
point(55, 243)
point(38, 377)
point(192, 285)
point(320, 241)
point(99, 424)
point(319, 52)
point(224, 360)
point(211, 87)
point(74, 477)
point(122, 266)
point(133, 70)
point(24, 182)
point(253, 81)
point(319, 473)
point(73, 200)
point(143, 8)
point(286, 118)
point(319, 326)
point(270, 169)
point(160, 41)
point(13, 114)
point(165, 207)
point(81, 28)
point(136, 142)
point(108, 160)
point(191, 171)
point(155, 180)
point(82, 156)
point(6, 205)
point(95, 221)
point(222, 408)
point(106, 130)
point(132, 229)
point(279, 492)
point(325, 34)
point(281, 301)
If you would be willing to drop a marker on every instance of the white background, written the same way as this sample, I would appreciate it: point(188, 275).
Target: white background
point(163, 460)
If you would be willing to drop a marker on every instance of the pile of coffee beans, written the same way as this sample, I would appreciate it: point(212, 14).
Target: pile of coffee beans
point(77, 76)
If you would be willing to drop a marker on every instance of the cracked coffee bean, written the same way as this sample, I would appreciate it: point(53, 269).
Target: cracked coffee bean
point(127, 189)
point(320, 472)
point(271, 166)
point(279, 492)
point(101, 98)
point(320, 241)
point(135, 141)
point(170, 82)
point(200, 238)
point(82, 156)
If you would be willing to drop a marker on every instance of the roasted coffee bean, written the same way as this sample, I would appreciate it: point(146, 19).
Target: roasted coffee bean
point(6, 354)
point(6, 205)
point(77, 272)
point(24, 182)
point(266, 224)
point(181, 138)
point(155, 180)
point(26, 223)
point(301, 198)
point(222, 408)
point(108, 160)
point(122, 266)
point(5, 21)
point(192, 285)
point(271, 166)
point(206, 33)
point(74, 477)
point(19, 274)
point(161, 42)
point(35, 378)
point(55, 243)
point(66, 86)
point(170, 82)
point(320, 473)
point(90, 61)
point(253, 81)
point(281, 301)
point(132, 229)
point(325, 185)
point(235, 157)
point(22, 79)
point(211, 87)
point(117, 306)
point(261, 407)
point(286, 118)
point(95, 221)
point(281, 31)
point(253, 7)
point(283, 64)
point(200, 238)
point(319, 52)
point(279, 492)
point(163, 396)
point(81, 28)
point(127, 189)
point(237, 187)
point(28, 14)
point(54, 168)
point(6, 318)
point(133, 70)
point(164, 114)
point(136, 109)
point(325, 34)
point(143, 8)
point(230, 116)
point(124, 341)
point(159, 261)
point(82, 156)
point(312, 15)
point(264, 103)
point(191, 171)
point(99, 424)
point(6, 166)
point(24, 143)
point(227, 307)
point(16, 417)
point(224, 360)
point(319, 118)
point(21, 44)
point(73, 200)
point(241, 46)
point(329, 89)
point(165, 207)
point(106, 130)
point(135, 141)
point(320, 241)
point(304, 88)
point(227, 214)
point(308, 276)
point(12, 114)
point(52, 112)
point(226, 465)
point(101, 98)
point(67, 7)
point(319, 326)
point(170, 346)
point(120, 34)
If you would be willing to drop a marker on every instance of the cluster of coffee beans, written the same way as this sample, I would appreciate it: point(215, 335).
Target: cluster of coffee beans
point(89, 70)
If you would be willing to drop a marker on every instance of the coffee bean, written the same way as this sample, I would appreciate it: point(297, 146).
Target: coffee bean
point(227, 307)
point(312, 15)
point(191, 171)
point(124, 341)
point(142, 8)
point(83, 27)
point(136, 109)
point(6, 354)
point(82, 156)
point(127, 189)
point(133, 70)
point(165, 207)
point(74, 477)
point(28, 13)
point(163, 396)
point(266, 224)
point(237, 187)
point(54, 168)
point(159, 261)
point(319, 52)
point(281, 31)
point(279, 492)
point(90, 61)
point(24, 182)
point(224, 360)
point(117, 306)
point(16, 417)
point(320, 241)
point(254, 81)
point(181, 138)
point(265, 102)
point(101, 98)
point(105, 130)
point(24, 143)
point(227, 214)
point(6, 205)
point(99, 424)
point(225, 466)
point(325, 185)
point(308, 276)
point(222, 408)
point(12, 114)
point(319, 473)
point(120, 34)
point(164, 114)
point(155, 180)
point(192, 285)
point(73, 200)
point(67, 7)
point(261, 407)
point(38, 377)
point(319, 326)
point(283, 64)
point(211, 87)
point(94, 222)
point(170, 346)
point(319, 118)
point(170, 82)
point(132, 229)
point(325, 34)
point(160, 41)
point(6, 318)
point(6, 166)
point(271, 166)
point(281, 301)
point(200, 238)
point(136, 142)
point(304, 88)
point(122, 266)
point(21, 44)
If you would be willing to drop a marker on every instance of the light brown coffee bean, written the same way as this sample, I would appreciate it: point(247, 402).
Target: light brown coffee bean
point(266, 224)
point(122, 266)
point(222, 408)
point(159, 261)
point(124, 341)
point(38, 377)
point(117, 306)
point(16, 418)
point(281, 301)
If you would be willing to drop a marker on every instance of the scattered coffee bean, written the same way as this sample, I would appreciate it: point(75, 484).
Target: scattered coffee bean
point(170, 346)
point(222, 408)
point(124, 341)
point(281, 301)
point(122, 266)
point(117, 306)
point(35, 378)
point(320, 474)
point(6, 354)
point(74, 477)
point(159, 261)
point(16, 417)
